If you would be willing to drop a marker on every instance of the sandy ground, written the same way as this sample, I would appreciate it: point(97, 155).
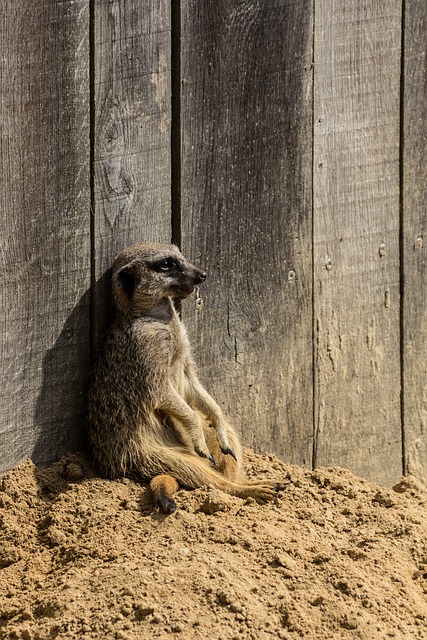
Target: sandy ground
point(332, 557)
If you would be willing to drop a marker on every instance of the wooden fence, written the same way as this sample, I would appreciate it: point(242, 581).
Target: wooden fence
point(282, 144)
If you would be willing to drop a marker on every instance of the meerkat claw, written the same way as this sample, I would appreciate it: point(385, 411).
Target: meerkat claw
point(279, 486)
point(202, 454)
point(229, 452)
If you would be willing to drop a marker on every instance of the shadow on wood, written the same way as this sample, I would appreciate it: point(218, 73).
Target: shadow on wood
point(60, 413)
point(102, 312)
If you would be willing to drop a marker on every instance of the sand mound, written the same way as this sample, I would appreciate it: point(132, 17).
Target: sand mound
point(332, 557)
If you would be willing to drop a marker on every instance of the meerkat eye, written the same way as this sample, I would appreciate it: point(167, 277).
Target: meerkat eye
point(165, 265)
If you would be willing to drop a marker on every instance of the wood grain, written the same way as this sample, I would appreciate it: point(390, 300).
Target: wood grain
point(246, 212)
point(287, 186)
point(131, 137)
point(414, 220)
point(44, 228)
point(356, 237)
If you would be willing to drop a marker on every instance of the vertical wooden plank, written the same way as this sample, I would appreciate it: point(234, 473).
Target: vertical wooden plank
point(414, 172)
point(246, 212)
point(132, 114)
point(44, 228)
point(356, 236)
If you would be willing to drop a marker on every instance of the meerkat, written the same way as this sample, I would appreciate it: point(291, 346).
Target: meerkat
point(149, 415)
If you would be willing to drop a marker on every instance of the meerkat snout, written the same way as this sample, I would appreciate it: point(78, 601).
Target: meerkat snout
point(202, 276)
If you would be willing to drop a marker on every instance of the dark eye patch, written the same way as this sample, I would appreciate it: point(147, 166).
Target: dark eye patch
point(163, 266)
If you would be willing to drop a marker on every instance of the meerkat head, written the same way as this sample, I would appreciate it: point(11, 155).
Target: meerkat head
point(144, 274)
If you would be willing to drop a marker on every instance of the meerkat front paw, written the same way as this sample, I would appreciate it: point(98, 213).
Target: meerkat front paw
point(204, 453)
point(229, 452)
point(224, 445)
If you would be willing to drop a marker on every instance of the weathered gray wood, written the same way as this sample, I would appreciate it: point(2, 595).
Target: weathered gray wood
point(246, 212)
point(132, 115)
point(44, 228)
point(415, 238)
point(356, 237)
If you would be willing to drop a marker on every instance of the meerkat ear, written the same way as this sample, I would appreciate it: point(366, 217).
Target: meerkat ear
point(127, 279)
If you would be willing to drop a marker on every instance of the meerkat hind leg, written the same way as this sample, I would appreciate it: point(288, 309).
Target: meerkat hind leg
point(261, 491)
point(179, 468)
point(163, 487)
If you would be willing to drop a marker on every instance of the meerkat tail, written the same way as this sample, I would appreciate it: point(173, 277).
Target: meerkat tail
point(162, 489)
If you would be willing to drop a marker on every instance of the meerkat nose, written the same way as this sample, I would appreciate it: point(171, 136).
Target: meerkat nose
point(202, 276)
